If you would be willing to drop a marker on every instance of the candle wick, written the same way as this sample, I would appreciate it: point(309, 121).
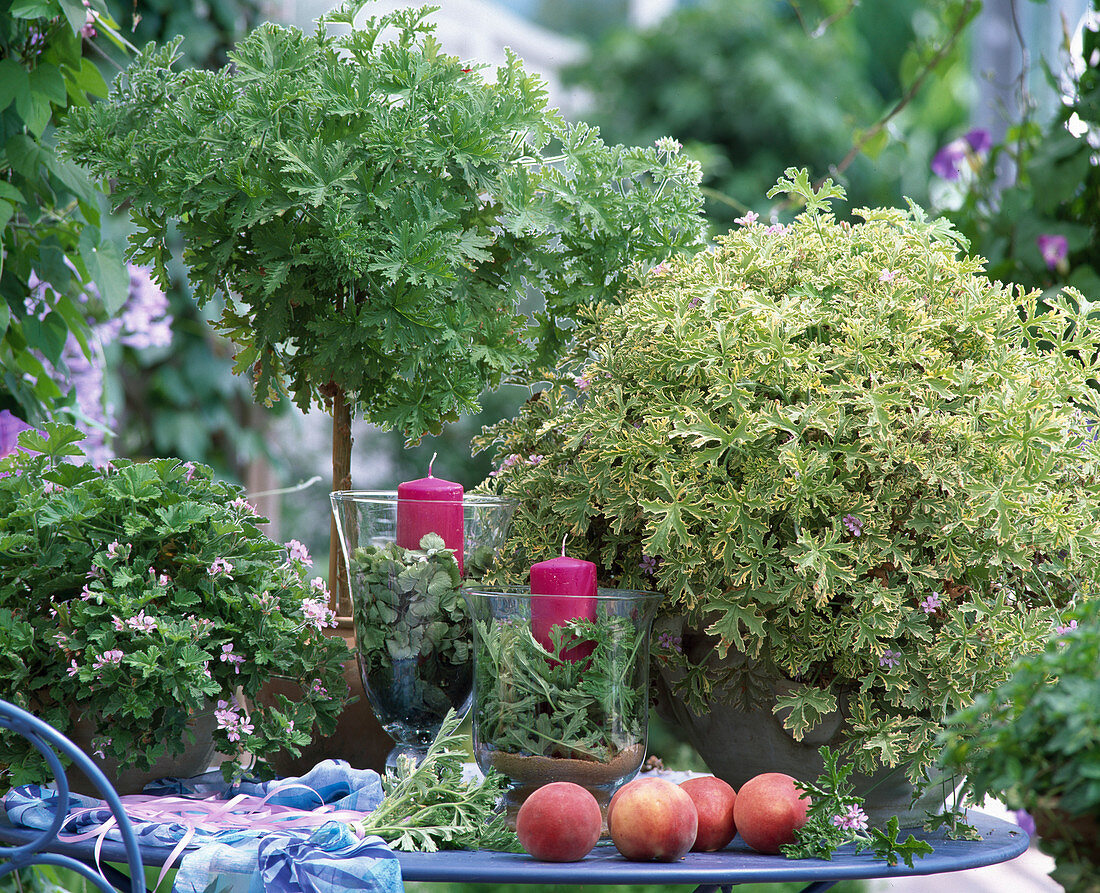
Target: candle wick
point(563, 539)
point(430, 464)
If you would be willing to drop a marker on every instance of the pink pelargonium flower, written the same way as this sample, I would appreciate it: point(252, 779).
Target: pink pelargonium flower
point(112, 657)
point(318, 613)
point(1062, 629)
point(227, 656)
point(142, 622)
point(113, 549)
point(229, 718)
point(221, 566)
point(852, 819)
point(297, 551)
point(243, 505)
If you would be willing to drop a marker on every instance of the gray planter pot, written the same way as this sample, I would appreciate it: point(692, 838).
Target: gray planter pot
point(738, 744)
point(196, 758)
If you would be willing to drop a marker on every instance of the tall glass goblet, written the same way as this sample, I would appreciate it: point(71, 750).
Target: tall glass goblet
point(413, 635)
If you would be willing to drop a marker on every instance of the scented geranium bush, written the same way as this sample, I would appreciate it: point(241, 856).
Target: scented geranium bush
point(838, 449)
point(142, 593)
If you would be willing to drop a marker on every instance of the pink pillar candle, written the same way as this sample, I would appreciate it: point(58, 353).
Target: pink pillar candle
point(562, 589)
point(430, 505)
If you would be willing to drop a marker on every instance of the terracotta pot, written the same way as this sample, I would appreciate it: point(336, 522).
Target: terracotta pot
point(358, 738)
point(737, 744)
point(197, 757)
point(1067, 836)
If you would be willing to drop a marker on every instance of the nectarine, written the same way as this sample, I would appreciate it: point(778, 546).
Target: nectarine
point(651, 819)
point(714, 800)
point(559, 822)
point(769, 809)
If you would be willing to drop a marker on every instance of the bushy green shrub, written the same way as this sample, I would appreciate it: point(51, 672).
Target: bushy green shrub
point(143, 593)
point(839, 449)
point(1034, 744)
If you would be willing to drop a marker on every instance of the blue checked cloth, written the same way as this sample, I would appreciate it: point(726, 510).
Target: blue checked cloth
point(324, 859)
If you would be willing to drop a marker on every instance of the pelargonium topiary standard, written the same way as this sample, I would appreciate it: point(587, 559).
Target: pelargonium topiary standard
point(377, 213)
point(836, 448)
point(143, 593)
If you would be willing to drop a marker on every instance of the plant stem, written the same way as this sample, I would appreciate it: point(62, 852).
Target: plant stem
point(339, 597)
point(960, 25)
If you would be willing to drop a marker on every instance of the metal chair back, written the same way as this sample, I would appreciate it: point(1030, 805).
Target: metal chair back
point(50, 742)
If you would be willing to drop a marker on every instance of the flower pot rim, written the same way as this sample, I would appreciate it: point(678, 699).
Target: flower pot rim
point(385, 497)
point(603, 593)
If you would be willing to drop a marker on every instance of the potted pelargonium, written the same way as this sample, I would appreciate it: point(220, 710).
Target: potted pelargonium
point(380, 215)
point(142, 608)
point(1033, 743)
point(860, 472)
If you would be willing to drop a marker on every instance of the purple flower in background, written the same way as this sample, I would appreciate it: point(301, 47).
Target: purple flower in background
point(10, 428)
point(1025, 821)
point(146, 321)
point(1053, 248)
point(648, 564)
point(947, 162)
point(670, 642)
point(854, 525)
point(143, 323)
point(889, 658)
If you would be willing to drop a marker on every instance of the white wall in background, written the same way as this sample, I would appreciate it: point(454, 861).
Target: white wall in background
point(475, 31)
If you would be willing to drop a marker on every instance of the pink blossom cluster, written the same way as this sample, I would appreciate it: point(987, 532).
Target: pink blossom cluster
point(234, 660)
point(140, 622)
point(228, 717)
point(852, 819)
point(107, 659)
point(297, 551)
point(318, 613)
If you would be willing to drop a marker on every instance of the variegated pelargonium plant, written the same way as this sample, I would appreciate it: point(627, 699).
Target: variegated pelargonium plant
point(838, 448)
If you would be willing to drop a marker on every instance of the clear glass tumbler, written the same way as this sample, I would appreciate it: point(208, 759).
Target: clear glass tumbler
point(541, 715)
point(412, 627)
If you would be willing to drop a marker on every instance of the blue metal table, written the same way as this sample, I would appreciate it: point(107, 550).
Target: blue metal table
point(737, 864)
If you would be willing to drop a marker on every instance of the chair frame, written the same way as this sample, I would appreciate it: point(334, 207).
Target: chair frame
point(50, 743)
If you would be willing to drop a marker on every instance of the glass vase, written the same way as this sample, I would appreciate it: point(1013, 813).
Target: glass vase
point(412, 628)
point(571, 705)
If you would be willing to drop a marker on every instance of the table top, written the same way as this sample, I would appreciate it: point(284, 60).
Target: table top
point(737, 864)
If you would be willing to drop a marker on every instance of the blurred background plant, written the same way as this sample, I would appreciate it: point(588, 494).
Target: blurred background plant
point(1028, 198)
point(84, 336)
point(752, 88)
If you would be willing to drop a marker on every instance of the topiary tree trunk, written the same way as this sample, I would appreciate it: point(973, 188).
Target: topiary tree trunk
point(339, 596)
